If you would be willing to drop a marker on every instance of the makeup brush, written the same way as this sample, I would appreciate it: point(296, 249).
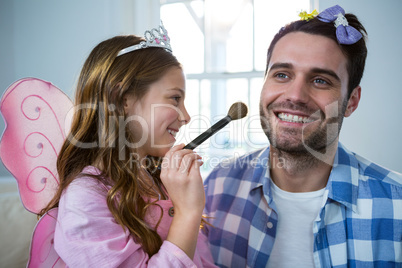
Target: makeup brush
point(238, 110)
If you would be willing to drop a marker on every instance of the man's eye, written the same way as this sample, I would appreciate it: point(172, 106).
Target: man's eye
point(320, 81)
point(281, 75)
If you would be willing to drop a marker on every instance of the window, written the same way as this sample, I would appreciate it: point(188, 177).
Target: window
point(222, 45)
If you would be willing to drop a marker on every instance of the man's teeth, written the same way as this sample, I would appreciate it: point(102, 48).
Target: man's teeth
point(294, 118)
point(172, 132)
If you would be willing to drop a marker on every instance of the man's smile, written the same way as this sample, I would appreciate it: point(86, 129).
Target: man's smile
point(292, 118)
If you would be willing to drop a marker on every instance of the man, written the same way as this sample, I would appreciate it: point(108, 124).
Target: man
point(306, 201)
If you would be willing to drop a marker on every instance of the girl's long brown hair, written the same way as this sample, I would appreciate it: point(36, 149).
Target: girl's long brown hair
point(95, 132)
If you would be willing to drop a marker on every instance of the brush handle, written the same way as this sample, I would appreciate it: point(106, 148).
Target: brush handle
point(208, 133)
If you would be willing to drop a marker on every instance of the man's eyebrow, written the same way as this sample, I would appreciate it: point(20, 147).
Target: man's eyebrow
point(285, 65)
point(280, 65)
point(326, 71)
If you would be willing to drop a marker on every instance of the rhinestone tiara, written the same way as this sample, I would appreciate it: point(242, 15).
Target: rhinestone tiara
point(153, 38)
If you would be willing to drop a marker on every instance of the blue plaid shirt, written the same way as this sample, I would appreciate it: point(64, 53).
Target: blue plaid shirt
point(359, 225)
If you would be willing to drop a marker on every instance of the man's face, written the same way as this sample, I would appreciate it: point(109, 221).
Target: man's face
point(304, 96)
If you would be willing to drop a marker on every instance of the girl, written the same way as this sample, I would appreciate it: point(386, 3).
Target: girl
point(114, 207)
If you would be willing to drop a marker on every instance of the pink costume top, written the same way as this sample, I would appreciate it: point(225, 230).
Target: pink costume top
point(87, 235)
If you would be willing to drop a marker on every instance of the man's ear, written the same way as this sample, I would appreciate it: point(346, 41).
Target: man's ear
point(353, 101)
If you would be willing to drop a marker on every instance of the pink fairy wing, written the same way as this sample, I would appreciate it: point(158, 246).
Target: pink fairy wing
point(42, 253)
point(36, 119)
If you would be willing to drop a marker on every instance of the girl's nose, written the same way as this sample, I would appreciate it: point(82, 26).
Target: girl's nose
point(184, 117)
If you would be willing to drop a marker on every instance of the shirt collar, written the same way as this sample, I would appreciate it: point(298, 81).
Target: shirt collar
point(343, 181)
point(342, 184)
point(261, 176)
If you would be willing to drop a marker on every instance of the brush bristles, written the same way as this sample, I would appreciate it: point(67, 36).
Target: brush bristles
point(237, 110)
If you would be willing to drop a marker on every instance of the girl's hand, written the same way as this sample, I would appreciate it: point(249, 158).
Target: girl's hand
point(182, 179)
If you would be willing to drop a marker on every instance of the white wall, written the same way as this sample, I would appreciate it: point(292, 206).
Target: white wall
point(50, 39)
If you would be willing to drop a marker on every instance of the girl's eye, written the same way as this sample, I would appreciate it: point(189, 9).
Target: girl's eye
point(176, 99)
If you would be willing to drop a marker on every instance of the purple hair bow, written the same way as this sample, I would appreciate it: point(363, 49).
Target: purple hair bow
point(345, 34)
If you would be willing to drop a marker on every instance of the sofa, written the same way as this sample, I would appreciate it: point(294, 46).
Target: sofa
point(16, 226)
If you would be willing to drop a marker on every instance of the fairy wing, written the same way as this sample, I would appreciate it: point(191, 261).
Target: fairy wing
point(42, 253)
point(36, 116)
point(37, 120)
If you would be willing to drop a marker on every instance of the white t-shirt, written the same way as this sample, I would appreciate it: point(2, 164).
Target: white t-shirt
point(293, 245)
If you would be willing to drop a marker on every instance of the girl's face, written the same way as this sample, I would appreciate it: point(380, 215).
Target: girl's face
point(155, 119)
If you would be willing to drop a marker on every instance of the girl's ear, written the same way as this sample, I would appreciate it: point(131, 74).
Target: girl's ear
point(128, 102)
point(353, 101)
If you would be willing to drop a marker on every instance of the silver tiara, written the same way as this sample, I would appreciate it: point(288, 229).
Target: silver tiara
point(153, 38)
